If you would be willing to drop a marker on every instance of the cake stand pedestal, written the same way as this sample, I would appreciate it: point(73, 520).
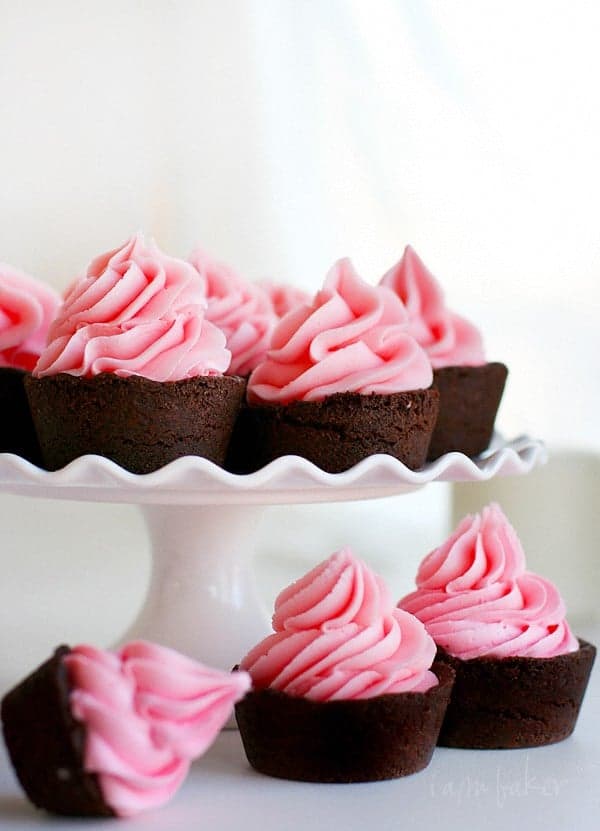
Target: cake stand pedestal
point(202, 523)
point(202, 598)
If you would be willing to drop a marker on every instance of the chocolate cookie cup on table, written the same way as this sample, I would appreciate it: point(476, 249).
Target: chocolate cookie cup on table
point(515, 701)
point(133, 371)
point(45, 743)
point(469, 386)
point(343, 380)
point(92, 733)
point(368, 740)
point(27, 307)
point(520, 673)
point(345, 690)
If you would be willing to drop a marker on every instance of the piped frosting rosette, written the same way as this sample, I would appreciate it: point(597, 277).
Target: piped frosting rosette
point(27, 308)
point(148, 712)
point(284, 297)
point(338, 636)
point(476, 598)
point(351, 338)
point(448, 338)
point(136, 312)
point(241, 309)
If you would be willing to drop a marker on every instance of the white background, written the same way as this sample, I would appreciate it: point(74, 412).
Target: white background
point(283, 134)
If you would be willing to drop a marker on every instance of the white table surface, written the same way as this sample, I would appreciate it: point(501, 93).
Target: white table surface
point(548, 788)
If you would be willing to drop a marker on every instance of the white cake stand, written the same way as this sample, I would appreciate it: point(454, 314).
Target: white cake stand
point(202, 520)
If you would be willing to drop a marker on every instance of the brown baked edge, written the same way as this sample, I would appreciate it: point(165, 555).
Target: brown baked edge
point(515, 702)
point(343, 741)
point(46, 743)
point(140, 424)
point(337, 432)
point(469, 400)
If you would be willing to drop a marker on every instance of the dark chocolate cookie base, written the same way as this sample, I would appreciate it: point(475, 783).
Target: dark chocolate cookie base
point(343, 741)
point(338, 432)
point(45, 744)
point(515, 702)
point(469, 400)
point(18, 433)
point(138, 423)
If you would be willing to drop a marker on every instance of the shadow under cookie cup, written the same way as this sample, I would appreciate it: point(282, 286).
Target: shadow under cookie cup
point(501, 703)
point(337, 432)
point(469, 400)
point(139, 423)
point(363, 740)
point(46, 743)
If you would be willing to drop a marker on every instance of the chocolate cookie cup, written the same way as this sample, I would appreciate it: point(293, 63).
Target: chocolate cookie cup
point(138, 423)
point(501, 703)
point(469, 400)
point(364, 740)
point(339, 431)
point(18, 432)
point(45, 743)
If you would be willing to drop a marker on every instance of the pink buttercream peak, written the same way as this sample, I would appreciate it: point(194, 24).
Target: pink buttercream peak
point(338, 636)
point(476, 598)
point(448, 338)
point(339, 591)
point(351, 338)
point(148, 712)
point(241, 309)
point(27, 307)
point(483, 549)
point(137, 311)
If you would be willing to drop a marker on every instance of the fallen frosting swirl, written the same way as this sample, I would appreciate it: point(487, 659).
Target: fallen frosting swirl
point(27, 308)
point(241, 309)
point(338, 636)
point(448, 338)
point(148, 712)
point(351, 338)
point(476, 598)
point(136, 312)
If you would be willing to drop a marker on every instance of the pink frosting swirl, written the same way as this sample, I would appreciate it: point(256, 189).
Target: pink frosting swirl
point(351, 338)
point(338, 591)
point(475, 597)
point(241, 309)
point(284, 297)
point(448, 339)
point(136, 312)
point(27, 308)
point(148, 712)
point(338, 636)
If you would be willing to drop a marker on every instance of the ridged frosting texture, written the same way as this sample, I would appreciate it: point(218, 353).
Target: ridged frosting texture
point(476, 598)
point(285, 297)
point(448, 338)
point(136, 312)
point(241, 309)
point(27, 308)
point(148, 712)
point(351, 338)
point(338, 636)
